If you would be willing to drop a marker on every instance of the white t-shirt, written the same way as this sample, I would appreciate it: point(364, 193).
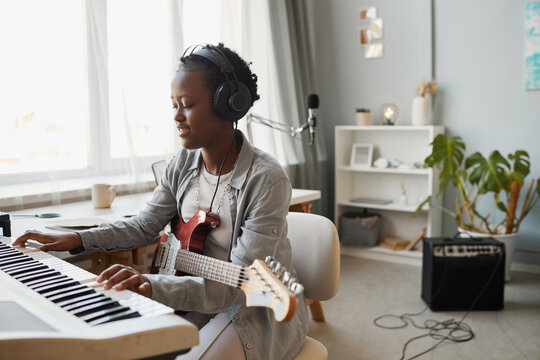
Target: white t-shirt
point(198, 197)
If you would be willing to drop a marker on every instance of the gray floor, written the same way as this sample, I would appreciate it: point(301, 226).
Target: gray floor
point(370, 288)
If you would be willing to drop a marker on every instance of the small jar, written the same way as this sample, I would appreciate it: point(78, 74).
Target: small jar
point(362, 117)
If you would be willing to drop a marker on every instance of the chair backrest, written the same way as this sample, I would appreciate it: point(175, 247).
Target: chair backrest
point(315, 253)
point(158, 168)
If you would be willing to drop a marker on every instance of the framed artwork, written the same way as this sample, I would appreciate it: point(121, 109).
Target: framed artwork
point(532, 46)
point(361, 155)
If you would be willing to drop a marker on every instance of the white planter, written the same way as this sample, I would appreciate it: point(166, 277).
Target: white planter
point(362, 118)
point(420, 111)
point(509, 241)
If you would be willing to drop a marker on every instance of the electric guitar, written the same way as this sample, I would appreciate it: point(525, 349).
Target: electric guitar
point(265, 283)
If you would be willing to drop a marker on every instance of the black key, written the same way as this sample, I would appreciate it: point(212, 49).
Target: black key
point(89, 301)
point(3, 248)
point(17, 266)
point(103, 313)
point(102, 305)
point(9, 253)
point(121, 316)
point(46, 289)
point(71, 295)
point(44, 275)
point(10, 257)
point(25, 268)
point(80, 300)
point(34, 284)
point(53, 282)
point(16, 260)
point(63, 291)
point(33, 272)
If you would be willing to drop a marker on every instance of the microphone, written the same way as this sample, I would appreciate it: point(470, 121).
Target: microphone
point(313, 105)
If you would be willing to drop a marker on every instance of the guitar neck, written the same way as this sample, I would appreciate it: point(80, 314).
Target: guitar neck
point(210, 268)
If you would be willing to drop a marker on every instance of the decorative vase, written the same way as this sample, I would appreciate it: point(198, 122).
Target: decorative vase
point(420, 111)
point(509, 241)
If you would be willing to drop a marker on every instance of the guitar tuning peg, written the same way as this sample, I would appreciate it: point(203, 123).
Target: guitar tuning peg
point(272, 265)
point(297, 289)
point(278, 270)
point(286, 277)
point(268, 259)
point(291, 282)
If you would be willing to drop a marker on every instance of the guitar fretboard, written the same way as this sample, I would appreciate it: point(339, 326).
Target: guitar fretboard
point(210, 268)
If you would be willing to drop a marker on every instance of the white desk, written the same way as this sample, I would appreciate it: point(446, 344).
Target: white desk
point(121, 207)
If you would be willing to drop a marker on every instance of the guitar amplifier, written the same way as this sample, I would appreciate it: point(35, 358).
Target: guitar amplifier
point(456, 271)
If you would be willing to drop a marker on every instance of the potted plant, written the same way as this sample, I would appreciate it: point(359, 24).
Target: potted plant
point(475, 176)
point(362, 116)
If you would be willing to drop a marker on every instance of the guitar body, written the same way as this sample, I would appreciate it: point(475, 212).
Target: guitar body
point(191, 235)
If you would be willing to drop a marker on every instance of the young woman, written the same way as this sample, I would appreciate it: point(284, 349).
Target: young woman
point(216, 168)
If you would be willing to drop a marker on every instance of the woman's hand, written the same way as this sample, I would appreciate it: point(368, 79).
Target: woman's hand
point(121, 277)
point(53, 242)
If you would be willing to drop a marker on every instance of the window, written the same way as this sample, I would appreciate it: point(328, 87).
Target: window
point(139, 78)
point(43, 121)
point(85, 87)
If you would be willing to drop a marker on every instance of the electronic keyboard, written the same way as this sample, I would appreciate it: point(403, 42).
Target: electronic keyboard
point(51, 309)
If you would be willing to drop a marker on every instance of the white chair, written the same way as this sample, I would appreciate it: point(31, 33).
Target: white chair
point(315, 257)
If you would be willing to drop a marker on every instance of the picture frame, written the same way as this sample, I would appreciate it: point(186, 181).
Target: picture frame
point(361, 155)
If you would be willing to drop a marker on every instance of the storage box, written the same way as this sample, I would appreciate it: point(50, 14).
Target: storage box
point(359, 229)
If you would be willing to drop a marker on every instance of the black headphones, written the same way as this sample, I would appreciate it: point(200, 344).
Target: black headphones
point(232, 98)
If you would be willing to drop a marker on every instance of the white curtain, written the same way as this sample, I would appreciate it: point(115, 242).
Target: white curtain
point(120, 118)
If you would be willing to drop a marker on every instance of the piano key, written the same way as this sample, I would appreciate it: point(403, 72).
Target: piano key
point(116, 317)
point(89, 301)
point(130, 304)
point(62, 291)
point(12, 267)
point(57, 286)
point(45, 275)
point(16, 260)
point(35, 284)
point(72, 295)
point(101, 305)
point(30, 273)
point(8, 257)
point(103, 313)
point(9, 253)
point(25, 268)
point(55, 280)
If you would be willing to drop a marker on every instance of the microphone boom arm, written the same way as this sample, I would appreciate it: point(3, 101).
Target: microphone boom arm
point(291, 130)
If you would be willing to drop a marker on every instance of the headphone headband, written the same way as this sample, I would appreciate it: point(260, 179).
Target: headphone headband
point(232, 99)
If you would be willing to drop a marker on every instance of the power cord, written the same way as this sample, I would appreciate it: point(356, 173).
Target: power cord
point(458, 331)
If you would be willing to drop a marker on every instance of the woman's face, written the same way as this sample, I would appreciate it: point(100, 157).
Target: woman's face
point(197, 122)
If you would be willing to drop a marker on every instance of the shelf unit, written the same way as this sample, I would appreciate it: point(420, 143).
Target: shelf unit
point(408, 144)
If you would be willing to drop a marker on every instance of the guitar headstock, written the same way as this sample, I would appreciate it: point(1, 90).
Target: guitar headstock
point(269, 284)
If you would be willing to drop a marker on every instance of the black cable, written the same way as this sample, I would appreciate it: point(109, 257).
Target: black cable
point(221, 167)
point(434, 326)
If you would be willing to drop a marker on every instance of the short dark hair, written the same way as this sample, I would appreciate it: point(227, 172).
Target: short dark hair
point(213, 75)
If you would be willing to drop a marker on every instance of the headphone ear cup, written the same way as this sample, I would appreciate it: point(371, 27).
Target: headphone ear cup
point(232, 106)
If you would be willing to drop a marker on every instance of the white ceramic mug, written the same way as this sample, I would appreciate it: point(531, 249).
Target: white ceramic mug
point(103, 195)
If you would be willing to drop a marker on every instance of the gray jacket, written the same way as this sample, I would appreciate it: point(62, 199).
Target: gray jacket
point(259, 205)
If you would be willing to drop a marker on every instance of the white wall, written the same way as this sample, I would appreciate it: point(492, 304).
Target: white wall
point(478, 62)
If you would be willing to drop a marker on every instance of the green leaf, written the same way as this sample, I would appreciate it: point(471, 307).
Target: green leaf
point(419, 208)
point(501, 206)
point(447, 155)
point(522, 164)
point(489, 175)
